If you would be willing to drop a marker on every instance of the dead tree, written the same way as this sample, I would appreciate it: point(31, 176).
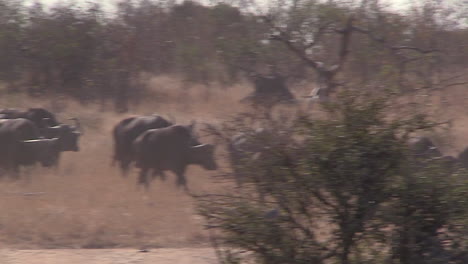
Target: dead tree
point(327, 74)
point(308, 34)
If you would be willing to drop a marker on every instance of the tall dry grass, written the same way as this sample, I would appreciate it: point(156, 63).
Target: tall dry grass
point(86, 203)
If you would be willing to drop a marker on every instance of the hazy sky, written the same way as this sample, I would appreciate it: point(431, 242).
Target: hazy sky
point(397, 4)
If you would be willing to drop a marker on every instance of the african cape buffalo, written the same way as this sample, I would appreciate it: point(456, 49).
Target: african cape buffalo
point(21, 145)
point(425, 153)
point(269, 90)
point(35, 115)
point(48, 125)
point(463, 158)
point(171, 148)
point(423, 147)
point(126, 131)
point(68, 135)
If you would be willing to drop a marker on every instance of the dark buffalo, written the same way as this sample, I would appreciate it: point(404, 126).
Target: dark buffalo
point(127, 130)
point(35, 115)
point(44, 151)
point(48, 125)
point(21, 145)
point(68, 135)
point(463, 158)
point(20, 128)
point(425, 154)
point(423, 147)
point(451, 164)
point(269, 90)
point(171, 148)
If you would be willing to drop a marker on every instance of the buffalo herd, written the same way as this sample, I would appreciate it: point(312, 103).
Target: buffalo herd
point(34, 136)
point(155, 145)
point(150, 143)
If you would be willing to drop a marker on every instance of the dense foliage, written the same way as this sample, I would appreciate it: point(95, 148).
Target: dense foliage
point(342, 189)
point(92, 54)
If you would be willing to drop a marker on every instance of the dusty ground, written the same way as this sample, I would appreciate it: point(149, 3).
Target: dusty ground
point(109, 256)
point(85, 212)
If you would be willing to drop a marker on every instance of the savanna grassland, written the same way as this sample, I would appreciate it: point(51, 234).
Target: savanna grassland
point(345, 187)
point(86, 203)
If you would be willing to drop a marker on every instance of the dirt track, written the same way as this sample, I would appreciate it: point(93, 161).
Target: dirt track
point(109, 256)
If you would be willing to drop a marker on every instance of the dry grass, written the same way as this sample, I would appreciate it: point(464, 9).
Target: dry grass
point(86, 203)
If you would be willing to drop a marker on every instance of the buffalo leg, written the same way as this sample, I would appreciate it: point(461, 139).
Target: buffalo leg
point(143, 179)
point(55, 166)
point(12, 169)
point(181, 180)
point(124, 166)
point(15, 172)
point(159, 173)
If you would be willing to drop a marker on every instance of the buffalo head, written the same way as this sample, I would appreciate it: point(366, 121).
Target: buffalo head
point(204, 156)
point(68, 135)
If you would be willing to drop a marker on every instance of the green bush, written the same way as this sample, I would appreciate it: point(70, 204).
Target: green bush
point(346, 191)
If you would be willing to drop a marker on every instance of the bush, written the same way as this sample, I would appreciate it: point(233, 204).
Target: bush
point(341, 192)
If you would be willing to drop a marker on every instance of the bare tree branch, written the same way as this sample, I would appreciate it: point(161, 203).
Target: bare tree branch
point(318, 35)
